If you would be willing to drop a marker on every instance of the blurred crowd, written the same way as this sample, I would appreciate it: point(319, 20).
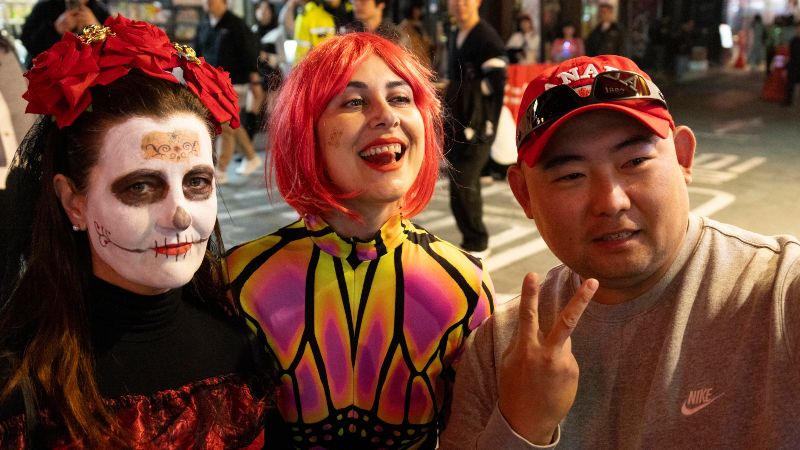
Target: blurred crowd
point(284, 31)
point(466, 54)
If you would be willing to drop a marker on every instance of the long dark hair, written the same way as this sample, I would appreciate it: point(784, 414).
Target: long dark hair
point(46, 266)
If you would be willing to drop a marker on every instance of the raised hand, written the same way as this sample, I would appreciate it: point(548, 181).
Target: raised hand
point(538, 373)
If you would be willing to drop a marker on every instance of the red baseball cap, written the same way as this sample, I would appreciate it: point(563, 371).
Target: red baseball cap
point(579, 74)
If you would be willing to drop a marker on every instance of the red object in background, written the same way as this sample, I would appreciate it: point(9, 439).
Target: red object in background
point(774, 89)
point(741, 59)
point(740, 62)
point(504, 147)
point(519, 75)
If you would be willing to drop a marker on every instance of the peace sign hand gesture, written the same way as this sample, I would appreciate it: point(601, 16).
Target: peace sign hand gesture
point(538, 373)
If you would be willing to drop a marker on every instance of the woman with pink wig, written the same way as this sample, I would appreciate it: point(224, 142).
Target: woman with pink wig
point(363, 312)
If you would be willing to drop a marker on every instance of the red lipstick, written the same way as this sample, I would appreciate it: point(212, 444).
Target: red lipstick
point(174, 249)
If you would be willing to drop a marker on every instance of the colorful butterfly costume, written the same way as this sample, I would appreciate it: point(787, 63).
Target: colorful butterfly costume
point(364, 334)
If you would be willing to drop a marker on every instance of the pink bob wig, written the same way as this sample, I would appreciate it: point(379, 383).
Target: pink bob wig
point(295, 157)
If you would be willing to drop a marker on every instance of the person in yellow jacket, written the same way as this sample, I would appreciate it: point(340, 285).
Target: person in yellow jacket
point(312, 27)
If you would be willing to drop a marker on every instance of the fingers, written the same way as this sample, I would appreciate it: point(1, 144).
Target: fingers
point(529, 307)
point(571, 314)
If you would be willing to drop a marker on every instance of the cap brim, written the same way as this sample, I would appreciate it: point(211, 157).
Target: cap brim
point(654, 116)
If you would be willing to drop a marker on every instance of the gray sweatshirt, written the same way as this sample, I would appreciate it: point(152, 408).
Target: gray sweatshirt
point(706, 359)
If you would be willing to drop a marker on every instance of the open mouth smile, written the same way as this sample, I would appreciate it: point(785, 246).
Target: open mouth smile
point(383, 155)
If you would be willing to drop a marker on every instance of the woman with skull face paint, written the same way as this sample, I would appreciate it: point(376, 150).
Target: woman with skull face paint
point(115, 331)
point(363, 312)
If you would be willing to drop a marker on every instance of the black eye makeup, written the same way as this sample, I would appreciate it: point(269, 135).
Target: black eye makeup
point(141, 187)
point(145, 187)
point(198, 183)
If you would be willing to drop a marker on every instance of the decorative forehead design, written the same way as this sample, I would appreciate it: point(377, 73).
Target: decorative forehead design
point(175, 146)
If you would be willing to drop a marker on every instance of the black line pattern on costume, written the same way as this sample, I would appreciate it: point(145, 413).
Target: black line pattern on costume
point(353, 427)
point(308, 333)
point(344, 296)
point(286, 235)
point(369, 277)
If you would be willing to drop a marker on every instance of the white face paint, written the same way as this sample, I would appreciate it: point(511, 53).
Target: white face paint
point(151, 203)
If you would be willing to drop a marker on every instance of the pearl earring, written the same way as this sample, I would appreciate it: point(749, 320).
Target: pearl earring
point(76, 228)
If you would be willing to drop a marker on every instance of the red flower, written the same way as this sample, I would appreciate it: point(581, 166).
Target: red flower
point(140, 45)
point(213, 87)
point(60, 80)
point(61, 77)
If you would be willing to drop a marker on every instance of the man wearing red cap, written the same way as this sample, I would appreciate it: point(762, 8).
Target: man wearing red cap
point(686, 330)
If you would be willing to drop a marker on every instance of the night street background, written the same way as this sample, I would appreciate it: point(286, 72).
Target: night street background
point(747, 172)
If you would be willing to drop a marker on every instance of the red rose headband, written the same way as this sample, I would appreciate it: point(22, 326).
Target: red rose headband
point(60, 79)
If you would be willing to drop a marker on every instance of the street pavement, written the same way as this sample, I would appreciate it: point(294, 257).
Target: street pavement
point(746, 172)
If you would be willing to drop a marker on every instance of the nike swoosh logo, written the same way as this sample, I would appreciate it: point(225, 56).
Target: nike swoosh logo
point(688, 411)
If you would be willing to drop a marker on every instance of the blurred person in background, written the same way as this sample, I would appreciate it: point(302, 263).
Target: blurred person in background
point(14, 123)
point(224, 40)
point(474, 97)
point(639, 38)
point(681, 46)
point(522, 46)
point(757, 40)
point(268, 64)
point(50, 19)
point(369, 16)
point(266, 19)
point(660, 37)
point(288, 15)
point(566, 46)
point(774, 39)
point(413, 34)
point(312, 26)
point(342, 12)
point(550, 31)
point(608, 36)
point(793, 66)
